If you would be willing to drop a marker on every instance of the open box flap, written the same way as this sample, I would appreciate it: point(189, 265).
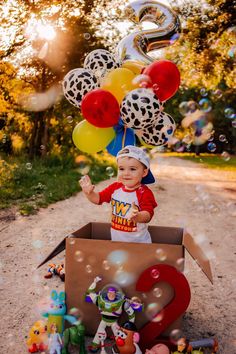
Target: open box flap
point(198, 255)
point(61, 247)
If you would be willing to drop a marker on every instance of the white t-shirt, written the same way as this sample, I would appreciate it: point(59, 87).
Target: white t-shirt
point(121, 200)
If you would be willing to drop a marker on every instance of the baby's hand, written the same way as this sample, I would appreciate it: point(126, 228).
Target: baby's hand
point(133, 213)
point(86, 184)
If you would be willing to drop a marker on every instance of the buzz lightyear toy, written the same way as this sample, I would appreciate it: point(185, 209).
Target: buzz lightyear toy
point(111, 301)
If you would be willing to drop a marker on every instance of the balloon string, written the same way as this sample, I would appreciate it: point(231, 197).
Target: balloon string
point(124, 136)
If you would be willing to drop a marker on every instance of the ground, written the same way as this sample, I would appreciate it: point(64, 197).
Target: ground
point(189, 195)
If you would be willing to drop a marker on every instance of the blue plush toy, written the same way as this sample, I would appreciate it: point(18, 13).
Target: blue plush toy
point(56, 314)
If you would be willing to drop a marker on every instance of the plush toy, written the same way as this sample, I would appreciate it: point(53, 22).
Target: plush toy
point(38, 338)
point(56, 313)
point(126, 339)
point(55, 270)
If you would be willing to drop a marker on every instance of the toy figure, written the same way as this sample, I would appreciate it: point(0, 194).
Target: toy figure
point(126, 339)
point(38, 338)
point(102, 336)
point(75, 336)
point(183, 346)
point(111, 301)
point(57, 312)
point(55, 342)
point(158, 349)
point(55, 270)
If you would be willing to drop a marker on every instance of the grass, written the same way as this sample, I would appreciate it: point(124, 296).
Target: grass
point(221, 162)
point(31, 185)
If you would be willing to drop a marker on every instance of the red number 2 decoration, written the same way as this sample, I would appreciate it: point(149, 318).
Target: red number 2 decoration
point(173, 310)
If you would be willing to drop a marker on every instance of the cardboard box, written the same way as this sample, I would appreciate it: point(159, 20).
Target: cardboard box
point(88, 248)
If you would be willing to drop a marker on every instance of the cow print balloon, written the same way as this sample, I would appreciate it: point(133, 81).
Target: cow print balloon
point(77, 83)
point(140, 108)
point(160, 132)
point(100, 61)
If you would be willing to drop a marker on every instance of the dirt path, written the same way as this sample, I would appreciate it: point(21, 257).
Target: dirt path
point(202, 200)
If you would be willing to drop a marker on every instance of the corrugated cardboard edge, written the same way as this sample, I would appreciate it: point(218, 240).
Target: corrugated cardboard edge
point(198, 255)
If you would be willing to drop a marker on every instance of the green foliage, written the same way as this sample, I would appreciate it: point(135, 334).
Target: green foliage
point(35, 184)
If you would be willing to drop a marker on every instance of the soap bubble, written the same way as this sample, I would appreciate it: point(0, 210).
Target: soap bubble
point(136, 302)
point(28, 166)
point(37, 244)
point(154, 312)
point(124, 278)
point(211, 147)
point(217, 93)
point(203, 92)
point(225, 156)
point(105, 265)
point(71, 240)
point(232, 52)
point(155, 273)
point(157, 292)
point(142, 81)
point(42, 147)
point(222, 138)
point(79, 256)
point(175, 335)
point(118, 257)
point(234, 123)
point(186, 108)
point(69, 119)
point(205, 105)
point(87, 36)
point(160, 254)
point(110, 171)
point(83, 167)
point(230, 113)
point(174, 38)
point(180, 264)
point(88, 268)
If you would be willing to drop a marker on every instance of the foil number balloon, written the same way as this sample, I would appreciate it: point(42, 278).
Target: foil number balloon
point(137, 44)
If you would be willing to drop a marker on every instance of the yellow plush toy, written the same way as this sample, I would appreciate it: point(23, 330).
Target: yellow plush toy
point(38, 338)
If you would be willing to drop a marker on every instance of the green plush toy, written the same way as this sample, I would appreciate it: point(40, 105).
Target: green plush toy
point(74, 336)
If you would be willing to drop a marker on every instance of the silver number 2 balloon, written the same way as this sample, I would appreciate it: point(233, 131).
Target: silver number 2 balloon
point(137, 44)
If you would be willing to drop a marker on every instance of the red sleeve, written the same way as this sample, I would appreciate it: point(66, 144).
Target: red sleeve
point(105, 194)
point(146, 200)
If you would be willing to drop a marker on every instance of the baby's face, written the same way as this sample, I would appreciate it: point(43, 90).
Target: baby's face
point(130, 172)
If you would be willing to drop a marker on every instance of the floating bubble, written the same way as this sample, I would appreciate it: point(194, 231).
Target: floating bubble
point(124, 278)
point(211, 147)
point(79, 256)
point(217, 93)
point(213, 208)
point(155, 273)
point(142, 81)
point(77, 313)
point(83, 167)
point(154, 312)
point(28, 166)
point(157, 292)
point(222, 138)
point(230, 113)
point(205, 105)
point(106, 265)
point(118, 257)
point(87, 36)
point(174, 38)
point(175, 335)
point(71, 240)
point(225, 156)
point(42, 147)
point(88, 268)
point(211, 137)
point(37, 244)
point(232, 52)
point(136, 302)
point(180, 264)
point(183, 108)
point(69, 119)
point(160, 254)
point(110, 171)
point(203, 92)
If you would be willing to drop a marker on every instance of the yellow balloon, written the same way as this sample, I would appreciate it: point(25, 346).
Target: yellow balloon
point(119, 83)
point(135, 66)
point(91, 139)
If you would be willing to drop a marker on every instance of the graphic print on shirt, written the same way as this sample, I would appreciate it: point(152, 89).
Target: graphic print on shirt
point(120, 216)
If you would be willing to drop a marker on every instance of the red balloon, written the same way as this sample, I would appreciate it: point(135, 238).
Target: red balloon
point(100, 108)
point(165, 78)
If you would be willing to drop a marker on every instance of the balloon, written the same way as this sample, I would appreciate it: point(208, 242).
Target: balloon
point(100, 61)
point(77, 83)
point(124, 136)
point(119, 82)
point(140, 108)
point(90, 139)
point(160, 133)
point(136, 66)
point(137, 44)
point(165, 78)
point(100, 108)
